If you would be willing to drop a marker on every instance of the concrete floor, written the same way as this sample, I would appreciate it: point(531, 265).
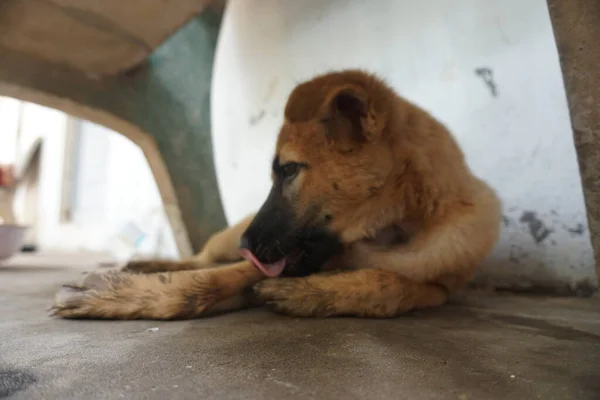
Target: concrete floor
point(481, 346)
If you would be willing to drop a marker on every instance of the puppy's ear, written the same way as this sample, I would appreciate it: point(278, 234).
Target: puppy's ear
point(350, 114)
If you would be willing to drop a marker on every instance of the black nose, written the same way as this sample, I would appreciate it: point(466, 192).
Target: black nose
point(244, 242)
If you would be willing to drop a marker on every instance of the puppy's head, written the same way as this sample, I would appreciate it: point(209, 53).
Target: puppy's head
point(332, 157)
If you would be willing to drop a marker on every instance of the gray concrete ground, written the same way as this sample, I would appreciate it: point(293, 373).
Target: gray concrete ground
point(481, 346)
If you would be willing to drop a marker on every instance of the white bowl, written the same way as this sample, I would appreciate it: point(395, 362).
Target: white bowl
point(11, 239)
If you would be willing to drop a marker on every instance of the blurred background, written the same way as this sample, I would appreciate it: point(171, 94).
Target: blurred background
point(207, 105)
point(86, 188)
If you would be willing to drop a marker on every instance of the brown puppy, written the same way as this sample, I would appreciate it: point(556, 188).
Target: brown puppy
point(373, 212)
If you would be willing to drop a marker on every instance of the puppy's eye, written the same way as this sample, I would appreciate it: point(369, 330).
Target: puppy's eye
point(289, 170)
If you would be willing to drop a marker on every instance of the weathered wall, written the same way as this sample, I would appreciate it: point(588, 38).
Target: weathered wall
point(487, 69)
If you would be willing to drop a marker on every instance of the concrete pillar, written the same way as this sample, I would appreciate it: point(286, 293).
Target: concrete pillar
point(576, 25)
point(163, 106)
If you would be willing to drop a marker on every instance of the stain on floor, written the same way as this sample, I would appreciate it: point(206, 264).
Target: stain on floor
point(13, 381)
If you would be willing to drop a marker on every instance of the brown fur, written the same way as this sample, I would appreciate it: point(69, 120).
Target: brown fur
point(414, 220)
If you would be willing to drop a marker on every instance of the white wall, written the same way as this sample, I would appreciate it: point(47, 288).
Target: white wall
point(9, 121)
point(113, 183)
point(125, 187)
point(48, 124)
point(516, 136)
point(114, 186)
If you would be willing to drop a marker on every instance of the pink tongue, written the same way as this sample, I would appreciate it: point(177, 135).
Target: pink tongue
point(270, 270)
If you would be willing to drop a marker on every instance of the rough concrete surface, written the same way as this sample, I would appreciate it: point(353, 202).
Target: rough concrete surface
point(481, 346)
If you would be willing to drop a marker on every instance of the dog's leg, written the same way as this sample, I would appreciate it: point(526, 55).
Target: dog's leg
point(361, 293)
point(448, 252)
point(163, 296)
point(220, 249)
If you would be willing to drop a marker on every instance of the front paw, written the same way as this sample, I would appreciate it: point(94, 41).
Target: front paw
point(90, 297)
point(294, 297)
